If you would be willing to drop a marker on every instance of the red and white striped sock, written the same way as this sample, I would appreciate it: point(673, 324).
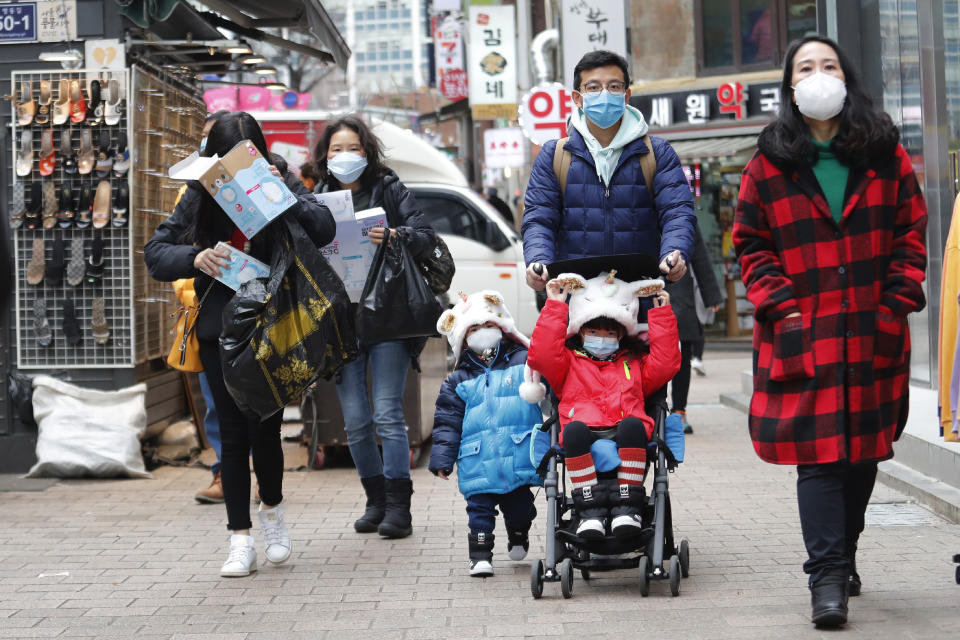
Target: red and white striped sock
point(581, 471)
point(633, 465)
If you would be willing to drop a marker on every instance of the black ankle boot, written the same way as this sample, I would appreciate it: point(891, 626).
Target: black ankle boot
point(481, 554)
point(853, 583)
point(626, 506)
point(397, 520)
point(376, 505)
point(828, 599)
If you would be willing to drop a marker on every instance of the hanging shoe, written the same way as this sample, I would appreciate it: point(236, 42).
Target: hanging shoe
point(66, 152)
point(43, 105)
point(397, 519)
point(75, 267)
point(71, 326)
point(95, 104)
point(68, 211)
point(96, 263)
point(35, 268)
point(48, 158)
point(85, 208)
point(121, 204)
point(518, 543)
point(25, 155)
point(375, 488)
point(87, 159)
point(19, 207)
point(50, 204)
point(480, 546)
point(78, 107)
point(61, 108)
point(41, 326)
point(98, 323)
point(242, 559)
point(26, 106)
point(276, 540)
point(31, 219)
point(112, 108)
point(53, 274)
point(104, 155)
point(121, 162)
point(101, 205)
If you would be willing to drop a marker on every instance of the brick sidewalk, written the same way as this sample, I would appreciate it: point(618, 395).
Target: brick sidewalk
point(125, 559)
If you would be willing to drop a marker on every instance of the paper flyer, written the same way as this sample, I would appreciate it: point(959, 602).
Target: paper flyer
point(243, 267)
point(351, 252)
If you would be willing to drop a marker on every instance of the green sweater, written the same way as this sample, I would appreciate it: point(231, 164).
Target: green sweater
point(832, 177)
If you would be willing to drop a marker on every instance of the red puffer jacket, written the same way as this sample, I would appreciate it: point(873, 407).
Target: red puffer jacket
point(601, 393)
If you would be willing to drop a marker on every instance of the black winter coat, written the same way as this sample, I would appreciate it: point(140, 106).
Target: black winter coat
point(682, 291)
point(169, 255)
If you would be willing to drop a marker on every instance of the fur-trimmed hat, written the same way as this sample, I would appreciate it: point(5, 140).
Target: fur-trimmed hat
point(479, 308)
point(607, 297)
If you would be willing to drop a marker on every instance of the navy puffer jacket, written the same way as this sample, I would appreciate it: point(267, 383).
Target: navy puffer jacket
point(591, 219)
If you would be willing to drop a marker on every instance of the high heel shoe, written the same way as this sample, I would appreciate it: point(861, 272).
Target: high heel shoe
point(113, 108)
point(48, 158)
point(61, 108)
point(95, 106)
point(46, 98)
point(66, 151)
point(27, 106)
point(78, 107)
point(25, 156)
point(86, 159)
point(84, 208)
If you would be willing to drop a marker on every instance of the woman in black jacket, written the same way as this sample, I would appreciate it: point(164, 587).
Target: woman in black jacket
point(182, 247)
point(349, 156)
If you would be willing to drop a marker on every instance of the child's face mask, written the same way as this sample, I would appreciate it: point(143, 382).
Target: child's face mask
point(483, 339)
point(600, 347)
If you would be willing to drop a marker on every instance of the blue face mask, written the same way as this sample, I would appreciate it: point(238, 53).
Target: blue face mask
point(347, 166)
point(600, 347)
point(604, 109)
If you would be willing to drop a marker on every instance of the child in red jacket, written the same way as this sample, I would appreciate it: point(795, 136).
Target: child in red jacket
point(602, 373)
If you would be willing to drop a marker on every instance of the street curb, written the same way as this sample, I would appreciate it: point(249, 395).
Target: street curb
point(938, 496)
point(737, 401)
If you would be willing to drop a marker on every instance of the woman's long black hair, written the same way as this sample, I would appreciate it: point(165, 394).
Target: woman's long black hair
point(866, 134)
point(371, 147)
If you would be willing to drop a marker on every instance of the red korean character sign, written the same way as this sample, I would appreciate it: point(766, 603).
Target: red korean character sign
point(732, 99)
point(544, 111)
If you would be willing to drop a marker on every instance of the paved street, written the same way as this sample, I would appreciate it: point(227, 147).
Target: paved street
point(138, 558)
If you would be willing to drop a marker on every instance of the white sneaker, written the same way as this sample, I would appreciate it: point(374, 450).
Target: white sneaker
point(626, 525)
point(697, 365)
point(591, 528)
point(242, 560)
point(481, 568)
point(275, 537)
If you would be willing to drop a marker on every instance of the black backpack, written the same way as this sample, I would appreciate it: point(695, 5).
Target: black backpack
point(437, 267)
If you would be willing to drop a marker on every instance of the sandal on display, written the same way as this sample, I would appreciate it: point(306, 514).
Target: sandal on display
point(95, 107)
point(53, 275)
point(71, 327)
point(66, 152)
point(43, 105)
point(101, 205)
point(96, 263)
point(19, 206)
point(25, 156)
point(31, 218)
point(121, 204)
point(112, 110)
point(76, 268)
point(40, 323)
point(49, 205)
point(61, 108)
point(84, 208)
point(48, 158)
point(26, 107)
point(78, 107)
point(104, 155)
point(68, 196)
point(98, 325)
point(35, 267)
point(86, 160)
point(121, 163)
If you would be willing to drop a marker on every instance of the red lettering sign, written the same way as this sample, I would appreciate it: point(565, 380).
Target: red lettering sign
point(730, 96)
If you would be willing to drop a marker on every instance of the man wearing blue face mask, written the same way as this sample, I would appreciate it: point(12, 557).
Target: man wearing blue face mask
point(606, 206)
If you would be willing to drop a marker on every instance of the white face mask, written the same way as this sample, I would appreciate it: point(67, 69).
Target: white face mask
point(483, 339)
point(820, 96)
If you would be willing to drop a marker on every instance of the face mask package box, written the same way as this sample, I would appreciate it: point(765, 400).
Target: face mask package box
point(243, 268)
point(351, 252)
point(241, 183)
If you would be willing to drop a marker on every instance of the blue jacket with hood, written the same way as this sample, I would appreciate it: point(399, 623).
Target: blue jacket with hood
point(593, 218)
point(483, 424)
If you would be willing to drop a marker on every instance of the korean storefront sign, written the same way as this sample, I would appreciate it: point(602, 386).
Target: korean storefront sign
point(492, 72)
point(729, 101)
point(39, 21)
point(589, 25)
point(504, 148)
point(544, 110)
point(448, 44)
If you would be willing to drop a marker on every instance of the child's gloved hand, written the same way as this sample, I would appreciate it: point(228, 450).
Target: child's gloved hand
point(443, 473)
point(662, 299)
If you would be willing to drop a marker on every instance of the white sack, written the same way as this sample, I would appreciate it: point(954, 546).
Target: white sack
point(86, 432)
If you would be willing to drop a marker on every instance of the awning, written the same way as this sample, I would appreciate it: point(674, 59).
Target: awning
point(706, 149)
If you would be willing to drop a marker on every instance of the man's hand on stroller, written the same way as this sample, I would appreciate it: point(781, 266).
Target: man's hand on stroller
point(673, 266)
point(556, 290)
point(537, 276)
point(662, 298)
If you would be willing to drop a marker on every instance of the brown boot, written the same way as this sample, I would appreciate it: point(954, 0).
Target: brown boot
point(212, 494)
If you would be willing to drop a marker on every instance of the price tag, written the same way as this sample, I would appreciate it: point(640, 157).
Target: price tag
point(18, 22)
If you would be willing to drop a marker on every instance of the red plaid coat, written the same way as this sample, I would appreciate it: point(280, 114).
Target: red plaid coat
point(831, 384)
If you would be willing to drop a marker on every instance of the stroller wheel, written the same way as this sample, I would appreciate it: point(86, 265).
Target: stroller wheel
point(536, 579)
point(675, 576)
point(684, 558)
point(566, 578)
point(585, 574)
point(643, 572)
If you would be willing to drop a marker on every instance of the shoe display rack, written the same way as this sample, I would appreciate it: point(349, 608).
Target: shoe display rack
point(72, 311)
point(167, 121)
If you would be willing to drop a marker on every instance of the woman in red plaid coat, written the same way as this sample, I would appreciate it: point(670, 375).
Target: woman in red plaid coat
point(829, 233)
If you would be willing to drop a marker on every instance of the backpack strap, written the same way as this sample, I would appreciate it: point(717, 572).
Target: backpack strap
point(648, 165)
point(561, 164)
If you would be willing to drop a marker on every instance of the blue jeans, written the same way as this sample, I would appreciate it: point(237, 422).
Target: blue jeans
point(211, 424)
point(517, 506)
point(388, 362)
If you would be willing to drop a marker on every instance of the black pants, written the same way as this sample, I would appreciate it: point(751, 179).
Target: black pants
point(832, 498)
point(697, 348)
point(680, 386)
point(517, 507)
point(577, 437)
point(239, 435)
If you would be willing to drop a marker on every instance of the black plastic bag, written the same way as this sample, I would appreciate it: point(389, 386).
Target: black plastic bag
point(396, 302)
point(438, 267)
point(282, 333)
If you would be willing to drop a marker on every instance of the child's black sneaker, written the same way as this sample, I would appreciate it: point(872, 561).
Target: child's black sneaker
point(481, 569)
point(481, 554)
point(518, 543)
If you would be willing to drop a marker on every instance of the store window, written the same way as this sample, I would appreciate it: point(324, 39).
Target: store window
point(746, 35)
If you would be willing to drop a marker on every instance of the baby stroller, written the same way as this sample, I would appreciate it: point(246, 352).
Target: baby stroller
point(653, 550)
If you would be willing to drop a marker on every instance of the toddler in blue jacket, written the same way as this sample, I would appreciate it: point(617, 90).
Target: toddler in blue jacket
point(486, 422)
